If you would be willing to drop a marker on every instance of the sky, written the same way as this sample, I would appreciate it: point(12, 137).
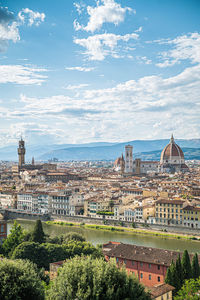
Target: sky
point(99, 70)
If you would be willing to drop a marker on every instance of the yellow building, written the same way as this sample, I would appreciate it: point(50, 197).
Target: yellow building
point(191, 216)
point(169, 211)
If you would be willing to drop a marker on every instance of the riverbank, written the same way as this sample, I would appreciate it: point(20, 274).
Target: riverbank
point(141, 231)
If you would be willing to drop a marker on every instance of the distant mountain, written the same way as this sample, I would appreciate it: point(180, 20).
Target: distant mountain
point(149, 149)
point(110, 153)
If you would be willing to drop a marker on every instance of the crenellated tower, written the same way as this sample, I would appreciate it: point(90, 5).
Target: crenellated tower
point(21, 153)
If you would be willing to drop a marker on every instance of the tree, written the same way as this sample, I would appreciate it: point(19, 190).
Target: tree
point(19, 281)
point(186, 266)
point(195, 267)
point(168, 277)
point(32, 251)
point(73, 236)
point(38, 235)
point(179, 270)
point(189, 291)
point(13, 240)
point(89, 279)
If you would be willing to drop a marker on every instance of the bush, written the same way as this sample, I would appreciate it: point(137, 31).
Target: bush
point(87, 279)
point(19, 281)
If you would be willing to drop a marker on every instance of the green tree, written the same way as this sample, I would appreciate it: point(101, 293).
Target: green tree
point(19, 281)
point(13, 240)
point(32, 251)
point(73, 236)
point(195, 267)
point(189, 291)
point(168, 277)
point(38, 235)
point(186, 266)
point(89, 279)
point(175, 278)
point(179, 270)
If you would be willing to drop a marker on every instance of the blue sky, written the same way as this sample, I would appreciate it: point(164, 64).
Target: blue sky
point(107, 70)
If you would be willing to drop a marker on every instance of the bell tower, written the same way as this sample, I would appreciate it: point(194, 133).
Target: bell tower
point(21, 153)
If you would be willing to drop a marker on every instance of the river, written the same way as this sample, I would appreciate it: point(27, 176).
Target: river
point(99, 237)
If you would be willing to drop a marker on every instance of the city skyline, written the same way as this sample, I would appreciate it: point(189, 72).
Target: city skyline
point(91, 71)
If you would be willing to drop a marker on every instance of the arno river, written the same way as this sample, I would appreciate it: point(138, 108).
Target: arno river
point(100, 237)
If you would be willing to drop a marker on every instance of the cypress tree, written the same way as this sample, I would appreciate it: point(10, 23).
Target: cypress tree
point(195, 267)
point(186, 266)
point(38, 235)
point(168, 277)
point(179, 270)
point(175, 281)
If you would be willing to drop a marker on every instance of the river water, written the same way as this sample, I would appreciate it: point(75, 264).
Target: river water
point(99, 237)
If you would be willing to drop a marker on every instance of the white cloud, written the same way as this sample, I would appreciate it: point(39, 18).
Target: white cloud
point(81, 69)
point(101, 45)
point(8, 29)
point(33, 17)
point(75, 87)
point(185, 47)
point(20, 74)
point(106, 11)
point(125, 112)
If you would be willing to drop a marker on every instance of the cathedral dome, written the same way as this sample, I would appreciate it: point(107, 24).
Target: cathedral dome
point(172, 154)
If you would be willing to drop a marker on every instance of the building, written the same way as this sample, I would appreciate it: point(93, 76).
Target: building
point(148, 264)
point(169, 212)
point(128, 159)
point(172, 158)
point(21, 153)
point(3, 230)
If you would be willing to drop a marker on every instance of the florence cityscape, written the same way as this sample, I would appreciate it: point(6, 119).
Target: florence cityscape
point(100, 150)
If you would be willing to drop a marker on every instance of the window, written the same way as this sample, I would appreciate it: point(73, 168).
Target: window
point(158, 267)
point(149, 277)
point(133, 262)
point(149, 266)
point(141, 275)
point(125, 261)
point(158, 278)
point(141, 264)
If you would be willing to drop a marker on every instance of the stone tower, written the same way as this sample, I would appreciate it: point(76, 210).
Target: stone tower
point(128, 159)
point(21, 153)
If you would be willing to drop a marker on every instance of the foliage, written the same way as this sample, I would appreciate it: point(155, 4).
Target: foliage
point(105, 213)
point(44, 254)
point(189, 291)
point(133, 225)
point(38, 235)
point(179, 271)
point(88, 279)
point(31, 251)
point(19, 281)
point(13, 240)
point(195, 267)
point(186, 266)
point(73, 236)
point(64, 238)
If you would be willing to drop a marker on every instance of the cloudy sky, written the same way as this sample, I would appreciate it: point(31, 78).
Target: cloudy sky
point(106, 70)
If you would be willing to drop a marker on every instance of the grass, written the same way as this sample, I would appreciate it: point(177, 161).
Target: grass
point(125, 229)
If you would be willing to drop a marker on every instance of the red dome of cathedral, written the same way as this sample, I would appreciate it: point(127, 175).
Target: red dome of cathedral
point(172, 154)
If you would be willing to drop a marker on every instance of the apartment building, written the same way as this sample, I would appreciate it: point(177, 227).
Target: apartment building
point(169, 212)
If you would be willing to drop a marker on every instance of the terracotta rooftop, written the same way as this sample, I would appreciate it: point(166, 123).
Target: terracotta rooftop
point(160, 290)
point(143, 254)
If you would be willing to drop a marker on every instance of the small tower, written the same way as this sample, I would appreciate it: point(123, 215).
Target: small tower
point(21, 153)
point(33, 161)
point(128, 159)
